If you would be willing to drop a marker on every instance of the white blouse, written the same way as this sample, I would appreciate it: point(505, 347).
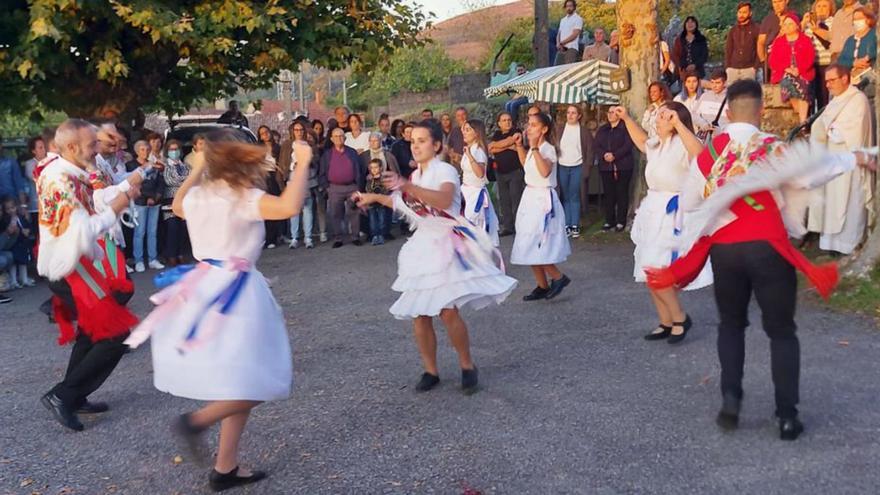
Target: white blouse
point(667, 166)
point(468, 177)
point(533, 176)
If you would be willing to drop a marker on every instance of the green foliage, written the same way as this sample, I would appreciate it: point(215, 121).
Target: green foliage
point(26, 124)
point(519, 49)
point(597, 13)
point(85, 57)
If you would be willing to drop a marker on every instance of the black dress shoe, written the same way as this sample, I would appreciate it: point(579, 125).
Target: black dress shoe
point(220, 481)
point(337, 244)
point(357, 242)
point(93, 408)
point(790, 428)
point(556, 286)
point(427, 382)
point(191, 437)
point(655, 335)
point(537, 293)
point(469, 380)
point(728, 416)
point(61, 412)
point(686, 325)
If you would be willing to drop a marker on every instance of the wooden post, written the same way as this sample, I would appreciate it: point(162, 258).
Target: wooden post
point(540, 47)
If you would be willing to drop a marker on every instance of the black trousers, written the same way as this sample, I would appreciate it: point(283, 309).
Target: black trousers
point(755, 267)
point(510, 189)
point(175, 237)
point(91, 363)
point(616, 196)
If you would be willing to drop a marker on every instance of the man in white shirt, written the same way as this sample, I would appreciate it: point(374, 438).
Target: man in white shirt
point(575, 144)
point(567, 36)
point(710, 105)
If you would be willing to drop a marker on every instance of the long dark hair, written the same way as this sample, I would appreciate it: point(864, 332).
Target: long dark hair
point(698, 36)
point(434, 130)
point(480, 128)
point(397, 128)
point(684, 115)
point(547, 122)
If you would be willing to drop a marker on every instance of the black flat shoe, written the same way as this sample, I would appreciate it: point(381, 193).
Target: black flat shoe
point(61, 412)
point(427, 382)
point(93, 408)
point(469, 380)
point(556, 286)
point(191, 438)
point(220, 482)
point(686, 325)
point(337, 244)
point(655, 335)
point(537, 293)
point(357, 242)
point(790, 429)
point(728, 416)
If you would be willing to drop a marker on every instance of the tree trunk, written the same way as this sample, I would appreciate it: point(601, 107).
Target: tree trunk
point(540, 41)
point(639, 44)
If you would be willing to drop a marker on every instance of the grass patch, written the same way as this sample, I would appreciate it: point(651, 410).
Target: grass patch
point(859, 295)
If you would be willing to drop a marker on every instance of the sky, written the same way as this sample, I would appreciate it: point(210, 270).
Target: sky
point(444, 9)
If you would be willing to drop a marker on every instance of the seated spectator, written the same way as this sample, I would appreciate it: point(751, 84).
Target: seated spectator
point(860, 50)
point(690, 93)
point(711, 112)
point(233, 116)
point(691, 49)
point(769, 32)
point(792, 65)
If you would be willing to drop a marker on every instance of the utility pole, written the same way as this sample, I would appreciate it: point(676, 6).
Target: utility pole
point(540, 47)
point(344, 91)
point(302, 94)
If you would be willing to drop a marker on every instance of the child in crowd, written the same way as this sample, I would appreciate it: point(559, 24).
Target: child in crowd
point(20, 240)
point(377, 211)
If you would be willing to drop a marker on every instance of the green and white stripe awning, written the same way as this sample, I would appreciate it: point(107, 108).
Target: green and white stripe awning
point(588, 81)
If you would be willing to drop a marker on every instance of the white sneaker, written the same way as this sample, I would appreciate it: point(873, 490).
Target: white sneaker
point(294, 244)
point(128, 269)
point(156, 265)
point(29, 282)
point(309, 244)
point(139, 267)
point(271, 245)
point(323, 237)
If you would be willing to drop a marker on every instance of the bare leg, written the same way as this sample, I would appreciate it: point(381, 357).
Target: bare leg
point(540, 276)
point(219, 410)
point(663, 314)
point(231, 429)
point(426, 340)
point(458, 336)
point(552, 272)
point(669, 298)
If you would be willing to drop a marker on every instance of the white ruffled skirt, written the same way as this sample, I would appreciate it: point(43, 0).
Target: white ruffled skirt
point(656, 242)
point(540, 229)
point(479, 210)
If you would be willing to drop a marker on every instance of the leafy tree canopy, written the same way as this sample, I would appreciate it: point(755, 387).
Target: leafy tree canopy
point(87, 57)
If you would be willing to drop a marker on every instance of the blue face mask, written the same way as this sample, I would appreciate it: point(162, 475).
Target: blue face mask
point(174, 154)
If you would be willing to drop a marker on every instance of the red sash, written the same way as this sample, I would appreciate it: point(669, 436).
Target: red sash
point(757, 219)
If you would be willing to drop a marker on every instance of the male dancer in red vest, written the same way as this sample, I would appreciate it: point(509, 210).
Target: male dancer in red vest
point(750, 248)
point(86, 270)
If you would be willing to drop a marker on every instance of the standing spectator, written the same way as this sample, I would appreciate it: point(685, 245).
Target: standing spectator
point(712, 106)
point(37, 149)
point(658, 94)
point(274, 181)
point(397, 129)
point(690, 94)
point(427, 114)
point(456, 140)
point(318, 132)
point(842, 26)
point(568, 35)
point(817, 26)
point(791, 61)
point(357, 138)
point(378, 215)
point(376, 152)
point(860, 49)
point(575, 145)
point(341, 175)
point(233, 116)
point(11, 181)
point(146, 208)
point(20, 243)
point(770, 31)
point(198, 144)
point(385, 128)
point(9, 231)
point(741, 50)
point(287, 163)
point(691, 49)
point(668, 73)
point(176, 171)
point(446, 127)
point(614, 44)
point(614, 150)
point(599, 50)
point(341, 115)
point(402, 152)
point(510, 177)
point(845, 125)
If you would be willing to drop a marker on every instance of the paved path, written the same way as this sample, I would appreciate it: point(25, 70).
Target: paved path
point(573, 400)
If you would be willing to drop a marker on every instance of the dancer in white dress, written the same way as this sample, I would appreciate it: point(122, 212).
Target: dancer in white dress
point(540, 240)
point(217, 334)
point(447, 263)
point(477, 202)
point(659, 223)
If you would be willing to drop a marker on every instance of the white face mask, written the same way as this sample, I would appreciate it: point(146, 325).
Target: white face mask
point(860, 24)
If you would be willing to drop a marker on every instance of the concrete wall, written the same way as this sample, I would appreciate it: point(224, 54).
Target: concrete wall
point(464, 88)
point(468, 88)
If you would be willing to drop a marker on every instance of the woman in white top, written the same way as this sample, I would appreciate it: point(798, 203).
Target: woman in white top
point(659, 222)
point(658, 94)
point(540, 240)
point(446, 264)
point(690, 93)
point(217, 333)
point(477, 202)
point(357, 138)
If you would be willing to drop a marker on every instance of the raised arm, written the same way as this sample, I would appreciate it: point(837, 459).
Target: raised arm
point(693, 145)
point(636, 133)
point(290, 202)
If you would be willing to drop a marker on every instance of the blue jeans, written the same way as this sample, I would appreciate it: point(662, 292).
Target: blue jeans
point(147, 223)
point(377, 221)
point(308, 216)
point(570, 186)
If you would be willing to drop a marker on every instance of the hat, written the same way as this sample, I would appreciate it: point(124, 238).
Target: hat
point(794, 17)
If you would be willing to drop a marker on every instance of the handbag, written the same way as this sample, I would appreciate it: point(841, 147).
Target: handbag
point(620, 79)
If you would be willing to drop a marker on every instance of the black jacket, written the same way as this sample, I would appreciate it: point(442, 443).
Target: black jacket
point(153, 186)
point(741, 50)
point(402, 151)
point(614, 140)
point(699, 54)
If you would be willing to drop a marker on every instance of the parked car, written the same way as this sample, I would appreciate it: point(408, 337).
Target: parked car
point(184, 129)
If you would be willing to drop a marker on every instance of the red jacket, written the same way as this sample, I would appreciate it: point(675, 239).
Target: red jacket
point(780, 58)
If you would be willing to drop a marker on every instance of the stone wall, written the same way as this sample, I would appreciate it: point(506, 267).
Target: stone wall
point(463, 88)
point(468, 88)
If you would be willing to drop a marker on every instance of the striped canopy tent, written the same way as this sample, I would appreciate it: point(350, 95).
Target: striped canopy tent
point(579, 82)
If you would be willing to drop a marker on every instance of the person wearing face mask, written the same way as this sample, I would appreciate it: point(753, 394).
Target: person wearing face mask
point(842, 26)
point(860, 50)
point(176, 171)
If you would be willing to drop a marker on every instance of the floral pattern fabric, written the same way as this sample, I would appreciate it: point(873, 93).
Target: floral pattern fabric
point(59, 199)
point(735, 160)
